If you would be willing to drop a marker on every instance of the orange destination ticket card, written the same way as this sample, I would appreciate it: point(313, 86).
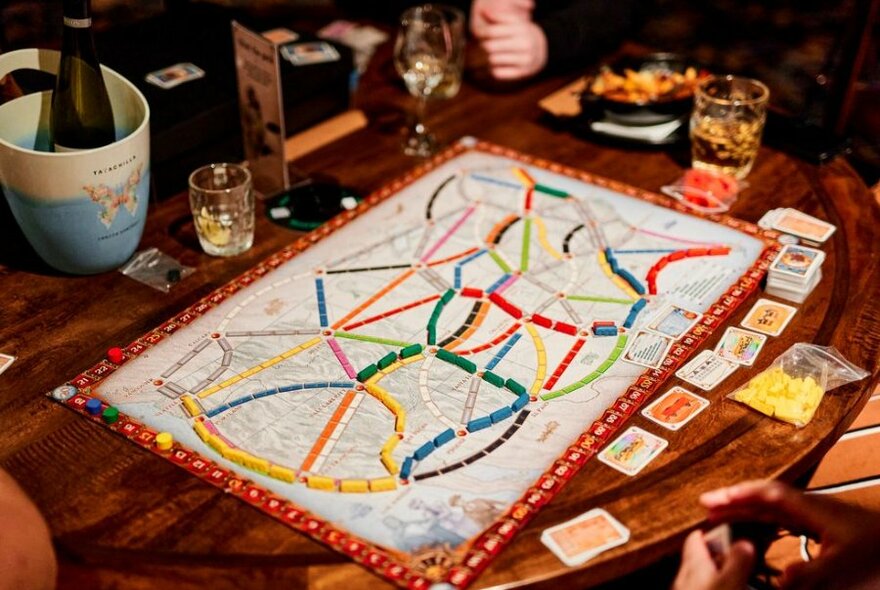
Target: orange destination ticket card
point(675, 408)
point(584, 537)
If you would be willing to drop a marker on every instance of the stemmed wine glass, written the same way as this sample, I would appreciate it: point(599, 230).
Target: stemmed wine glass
point(422, 54)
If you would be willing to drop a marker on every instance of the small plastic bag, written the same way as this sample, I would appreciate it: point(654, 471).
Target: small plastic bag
point(793, 386)
point(152, 267)
point(705, 191)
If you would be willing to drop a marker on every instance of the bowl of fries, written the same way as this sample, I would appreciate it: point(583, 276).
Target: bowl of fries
point(648, 90)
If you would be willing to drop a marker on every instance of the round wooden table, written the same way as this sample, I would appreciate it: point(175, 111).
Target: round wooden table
point(123, 517)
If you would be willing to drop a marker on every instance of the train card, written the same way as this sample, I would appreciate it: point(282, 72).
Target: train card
point(740, 346)
point(584, 537)
point(674, 321)
point(768, 317)
point(706, 370)
point(632, 451)
point(675, 408)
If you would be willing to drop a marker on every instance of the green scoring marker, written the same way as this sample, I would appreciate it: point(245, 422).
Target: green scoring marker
point(110, 415)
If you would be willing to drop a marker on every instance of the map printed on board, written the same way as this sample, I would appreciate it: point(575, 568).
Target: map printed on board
point(411, 380)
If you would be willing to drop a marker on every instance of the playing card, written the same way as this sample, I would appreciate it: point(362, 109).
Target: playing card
point(795, 294)
point(308, 53)
point(673, 321)
point(5, 361)
point(740, 346)
point(336, 29)
point(632, 450)
point(584, 537)
point(797, 262)
point(675, 408)
point(280, 35)
point(647, 349)
point(706, 370)
point(768, 317)
point(767, 220)
point(792, 221)
point(175, 75)
point(718, 540)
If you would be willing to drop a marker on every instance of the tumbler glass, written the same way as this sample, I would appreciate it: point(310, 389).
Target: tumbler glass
point(222, 201)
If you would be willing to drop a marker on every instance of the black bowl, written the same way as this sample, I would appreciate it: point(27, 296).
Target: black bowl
point(596, 106)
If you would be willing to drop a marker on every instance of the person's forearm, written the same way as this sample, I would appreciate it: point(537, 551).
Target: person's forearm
point(27, 560)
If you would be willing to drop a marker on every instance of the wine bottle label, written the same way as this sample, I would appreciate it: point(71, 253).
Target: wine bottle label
point(77, 23)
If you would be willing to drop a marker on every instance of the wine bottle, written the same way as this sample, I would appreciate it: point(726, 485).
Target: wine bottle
point(81, 116)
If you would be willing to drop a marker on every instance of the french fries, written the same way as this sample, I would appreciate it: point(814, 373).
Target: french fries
point(645, 86)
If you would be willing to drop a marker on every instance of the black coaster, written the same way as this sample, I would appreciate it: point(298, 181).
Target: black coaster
point(307, 205)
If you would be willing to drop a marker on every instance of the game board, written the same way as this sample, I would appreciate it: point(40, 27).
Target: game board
point(411, 383)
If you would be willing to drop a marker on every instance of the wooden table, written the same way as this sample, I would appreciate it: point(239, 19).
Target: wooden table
point(121, 516)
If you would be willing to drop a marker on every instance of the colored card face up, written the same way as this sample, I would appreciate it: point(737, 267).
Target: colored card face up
point(792, 221)
point(175, 75)
point(675, 408)
point(5, 362)
point(673, 321)
point(740, 346)
point(307, 53)
point(647, 349)
point(798, 262)
point(706, 370)
point(632, 450)
point(582, 538)
point(768, 317)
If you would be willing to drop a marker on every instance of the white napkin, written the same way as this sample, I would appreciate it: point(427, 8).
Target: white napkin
point(647, 133)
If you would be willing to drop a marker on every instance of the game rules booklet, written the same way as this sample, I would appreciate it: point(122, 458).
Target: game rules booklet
point(386, 384)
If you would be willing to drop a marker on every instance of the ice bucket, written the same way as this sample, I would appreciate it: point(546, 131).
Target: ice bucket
point(83, 212)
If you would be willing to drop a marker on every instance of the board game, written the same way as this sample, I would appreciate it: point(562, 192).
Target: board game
point(411, 383)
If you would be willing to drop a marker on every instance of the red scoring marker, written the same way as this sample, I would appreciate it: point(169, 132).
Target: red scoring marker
point(115, 355)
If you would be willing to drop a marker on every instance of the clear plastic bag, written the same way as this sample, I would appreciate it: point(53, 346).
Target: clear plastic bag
point(156, 269)
point(793, 386)
point(705, 191)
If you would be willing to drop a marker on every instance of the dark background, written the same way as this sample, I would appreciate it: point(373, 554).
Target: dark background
point(819, 57)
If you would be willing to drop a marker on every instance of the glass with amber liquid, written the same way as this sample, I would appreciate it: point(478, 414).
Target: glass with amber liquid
point(726, 125)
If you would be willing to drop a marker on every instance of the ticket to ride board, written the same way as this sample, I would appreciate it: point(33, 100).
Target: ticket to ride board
point(412, 382)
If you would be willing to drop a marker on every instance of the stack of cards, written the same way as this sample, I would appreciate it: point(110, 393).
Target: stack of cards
point(792, 221)
point(795, 273)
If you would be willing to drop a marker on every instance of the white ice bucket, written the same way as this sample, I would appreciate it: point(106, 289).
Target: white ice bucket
point(83, 212)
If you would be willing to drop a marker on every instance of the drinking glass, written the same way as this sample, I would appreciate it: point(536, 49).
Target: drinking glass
point(422, 53)
point(221, 197)
point(451, 82)
point(726, 125)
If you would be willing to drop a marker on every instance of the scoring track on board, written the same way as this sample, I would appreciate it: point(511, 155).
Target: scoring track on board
point(427, 364)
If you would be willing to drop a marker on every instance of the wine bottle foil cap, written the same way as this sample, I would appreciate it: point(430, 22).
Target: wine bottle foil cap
point(77, 23)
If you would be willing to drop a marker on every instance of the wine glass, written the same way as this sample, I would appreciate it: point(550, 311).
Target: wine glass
point(422, 53)
point(451, 82)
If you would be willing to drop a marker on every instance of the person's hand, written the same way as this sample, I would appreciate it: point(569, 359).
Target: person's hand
point(514, 48)
point(700, 571)
point(849, 556)
point(485, 11)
